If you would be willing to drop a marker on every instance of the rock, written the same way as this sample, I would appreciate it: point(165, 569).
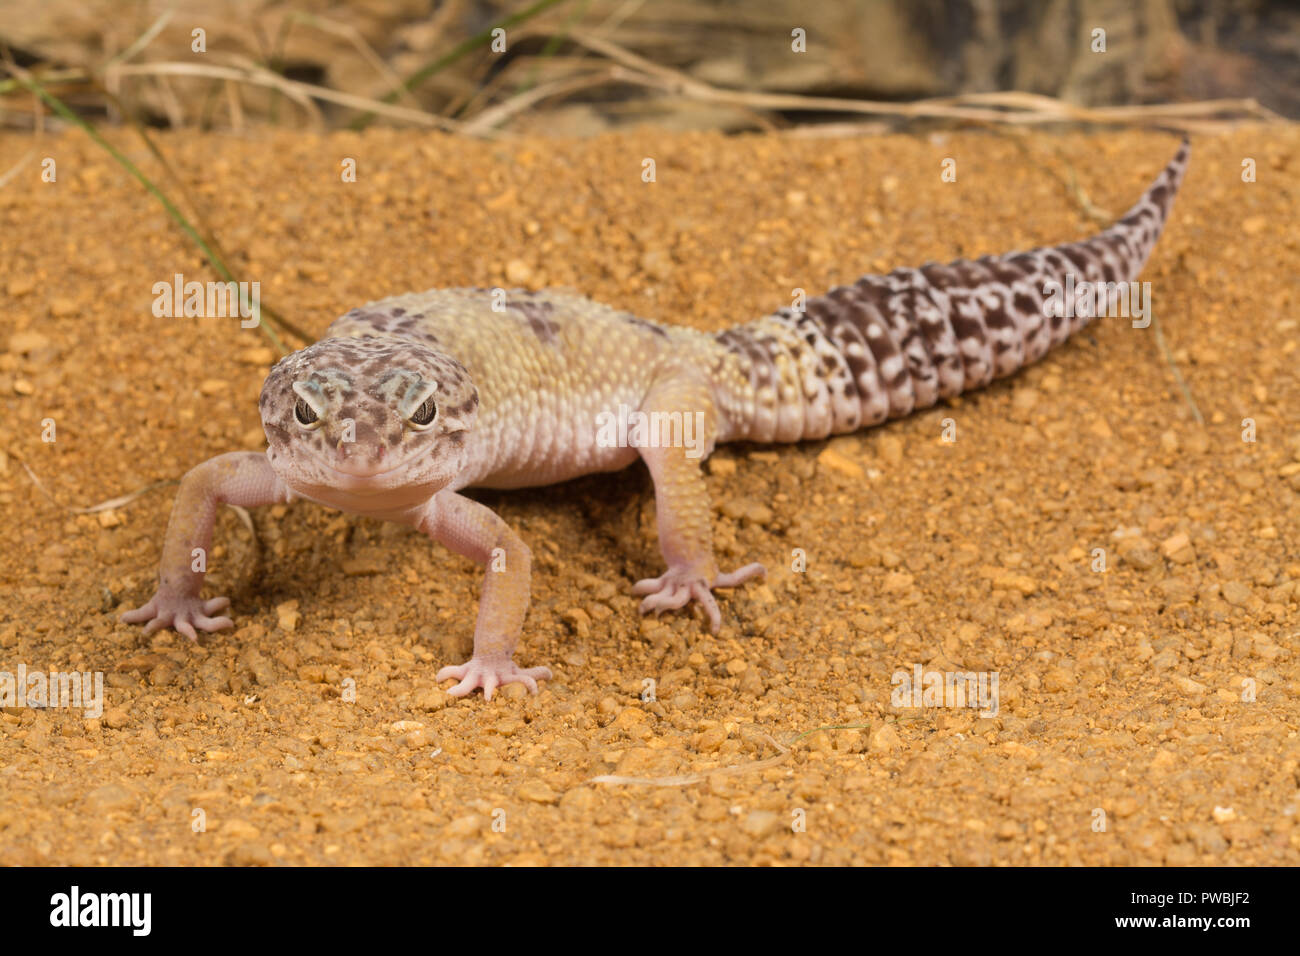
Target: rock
point(1010, 581)
point(1125, 807)
point(656, 264)
point(1252, 225)
point(747, 508)
point(111, 796)
point(240, 830)
point(1057, 680)
point(1023, 399)
point(249, 854)
point(20, 343)
point(885, 738)
point(518, 272)
point(711, 739)
point(761, 823)
point(1164, 760)
point(1141, 557)
point(535, 791)
point(1191, 688)
point(288, 615)
point(164, 674)
point(578, 619)
point(434, 698)
point(830, 458)
point(1237, 593)
point(1177, 590)
point(897, 582)
point(466, 826)
point(891, 449)
point(726, 467)
point(1178, 548)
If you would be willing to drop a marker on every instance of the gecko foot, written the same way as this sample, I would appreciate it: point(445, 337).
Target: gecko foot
point(677, 587)
point(183, 614)
point(490, 674)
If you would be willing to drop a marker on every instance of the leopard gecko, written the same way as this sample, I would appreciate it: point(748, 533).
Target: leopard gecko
point(408, 401)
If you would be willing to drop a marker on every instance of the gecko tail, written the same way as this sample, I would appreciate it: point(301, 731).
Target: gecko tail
point(888, 345)
point(1142, 225)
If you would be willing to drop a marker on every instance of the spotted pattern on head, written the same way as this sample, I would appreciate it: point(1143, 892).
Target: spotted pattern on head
point(886, 345)
point(379, 320)
point(364, 390)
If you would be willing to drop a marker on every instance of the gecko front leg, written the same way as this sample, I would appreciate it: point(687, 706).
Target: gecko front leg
point(474, 530)
point(239, 478)
point(682, 428)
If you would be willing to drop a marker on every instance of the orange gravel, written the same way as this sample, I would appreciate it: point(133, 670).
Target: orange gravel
point(1147, 713)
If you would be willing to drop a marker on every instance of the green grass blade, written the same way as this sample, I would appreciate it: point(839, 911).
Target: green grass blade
point(482, 38)
point(178, 217)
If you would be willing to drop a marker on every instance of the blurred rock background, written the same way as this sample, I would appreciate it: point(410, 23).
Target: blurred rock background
point(1156, 51)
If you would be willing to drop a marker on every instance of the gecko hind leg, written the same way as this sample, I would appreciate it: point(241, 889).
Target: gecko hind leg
point(683, 439)
point(675, 588)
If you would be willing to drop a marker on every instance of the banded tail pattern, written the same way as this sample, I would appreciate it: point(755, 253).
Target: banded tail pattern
point(888, 345)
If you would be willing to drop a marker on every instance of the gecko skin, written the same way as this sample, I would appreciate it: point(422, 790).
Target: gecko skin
point(407, 401)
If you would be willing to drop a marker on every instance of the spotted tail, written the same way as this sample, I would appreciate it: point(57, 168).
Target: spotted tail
point(888, 345)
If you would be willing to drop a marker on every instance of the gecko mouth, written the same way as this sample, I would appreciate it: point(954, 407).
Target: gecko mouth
point(354, 478)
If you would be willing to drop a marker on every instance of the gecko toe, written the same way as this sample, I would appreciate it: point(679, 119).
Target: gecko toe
point(679, 586)
point(669, 599)
point(205, 623)
point(139, 615)
point(451, 672)
point(700, 591)
point(182, 613)
point(740, 576)
point(649, 585)
point(489, 674)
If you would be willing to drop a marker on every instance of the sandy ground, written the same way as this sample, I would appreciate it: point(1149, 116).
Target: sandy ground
point(1147, 714)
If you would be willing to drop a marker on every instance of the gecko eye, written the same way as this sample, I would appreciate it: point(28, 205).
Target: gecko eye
point(305, 414)
point(423, 416)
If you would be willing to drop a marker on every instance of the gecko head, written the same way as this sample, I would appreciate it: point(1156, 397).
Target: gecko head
point(349, 419)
